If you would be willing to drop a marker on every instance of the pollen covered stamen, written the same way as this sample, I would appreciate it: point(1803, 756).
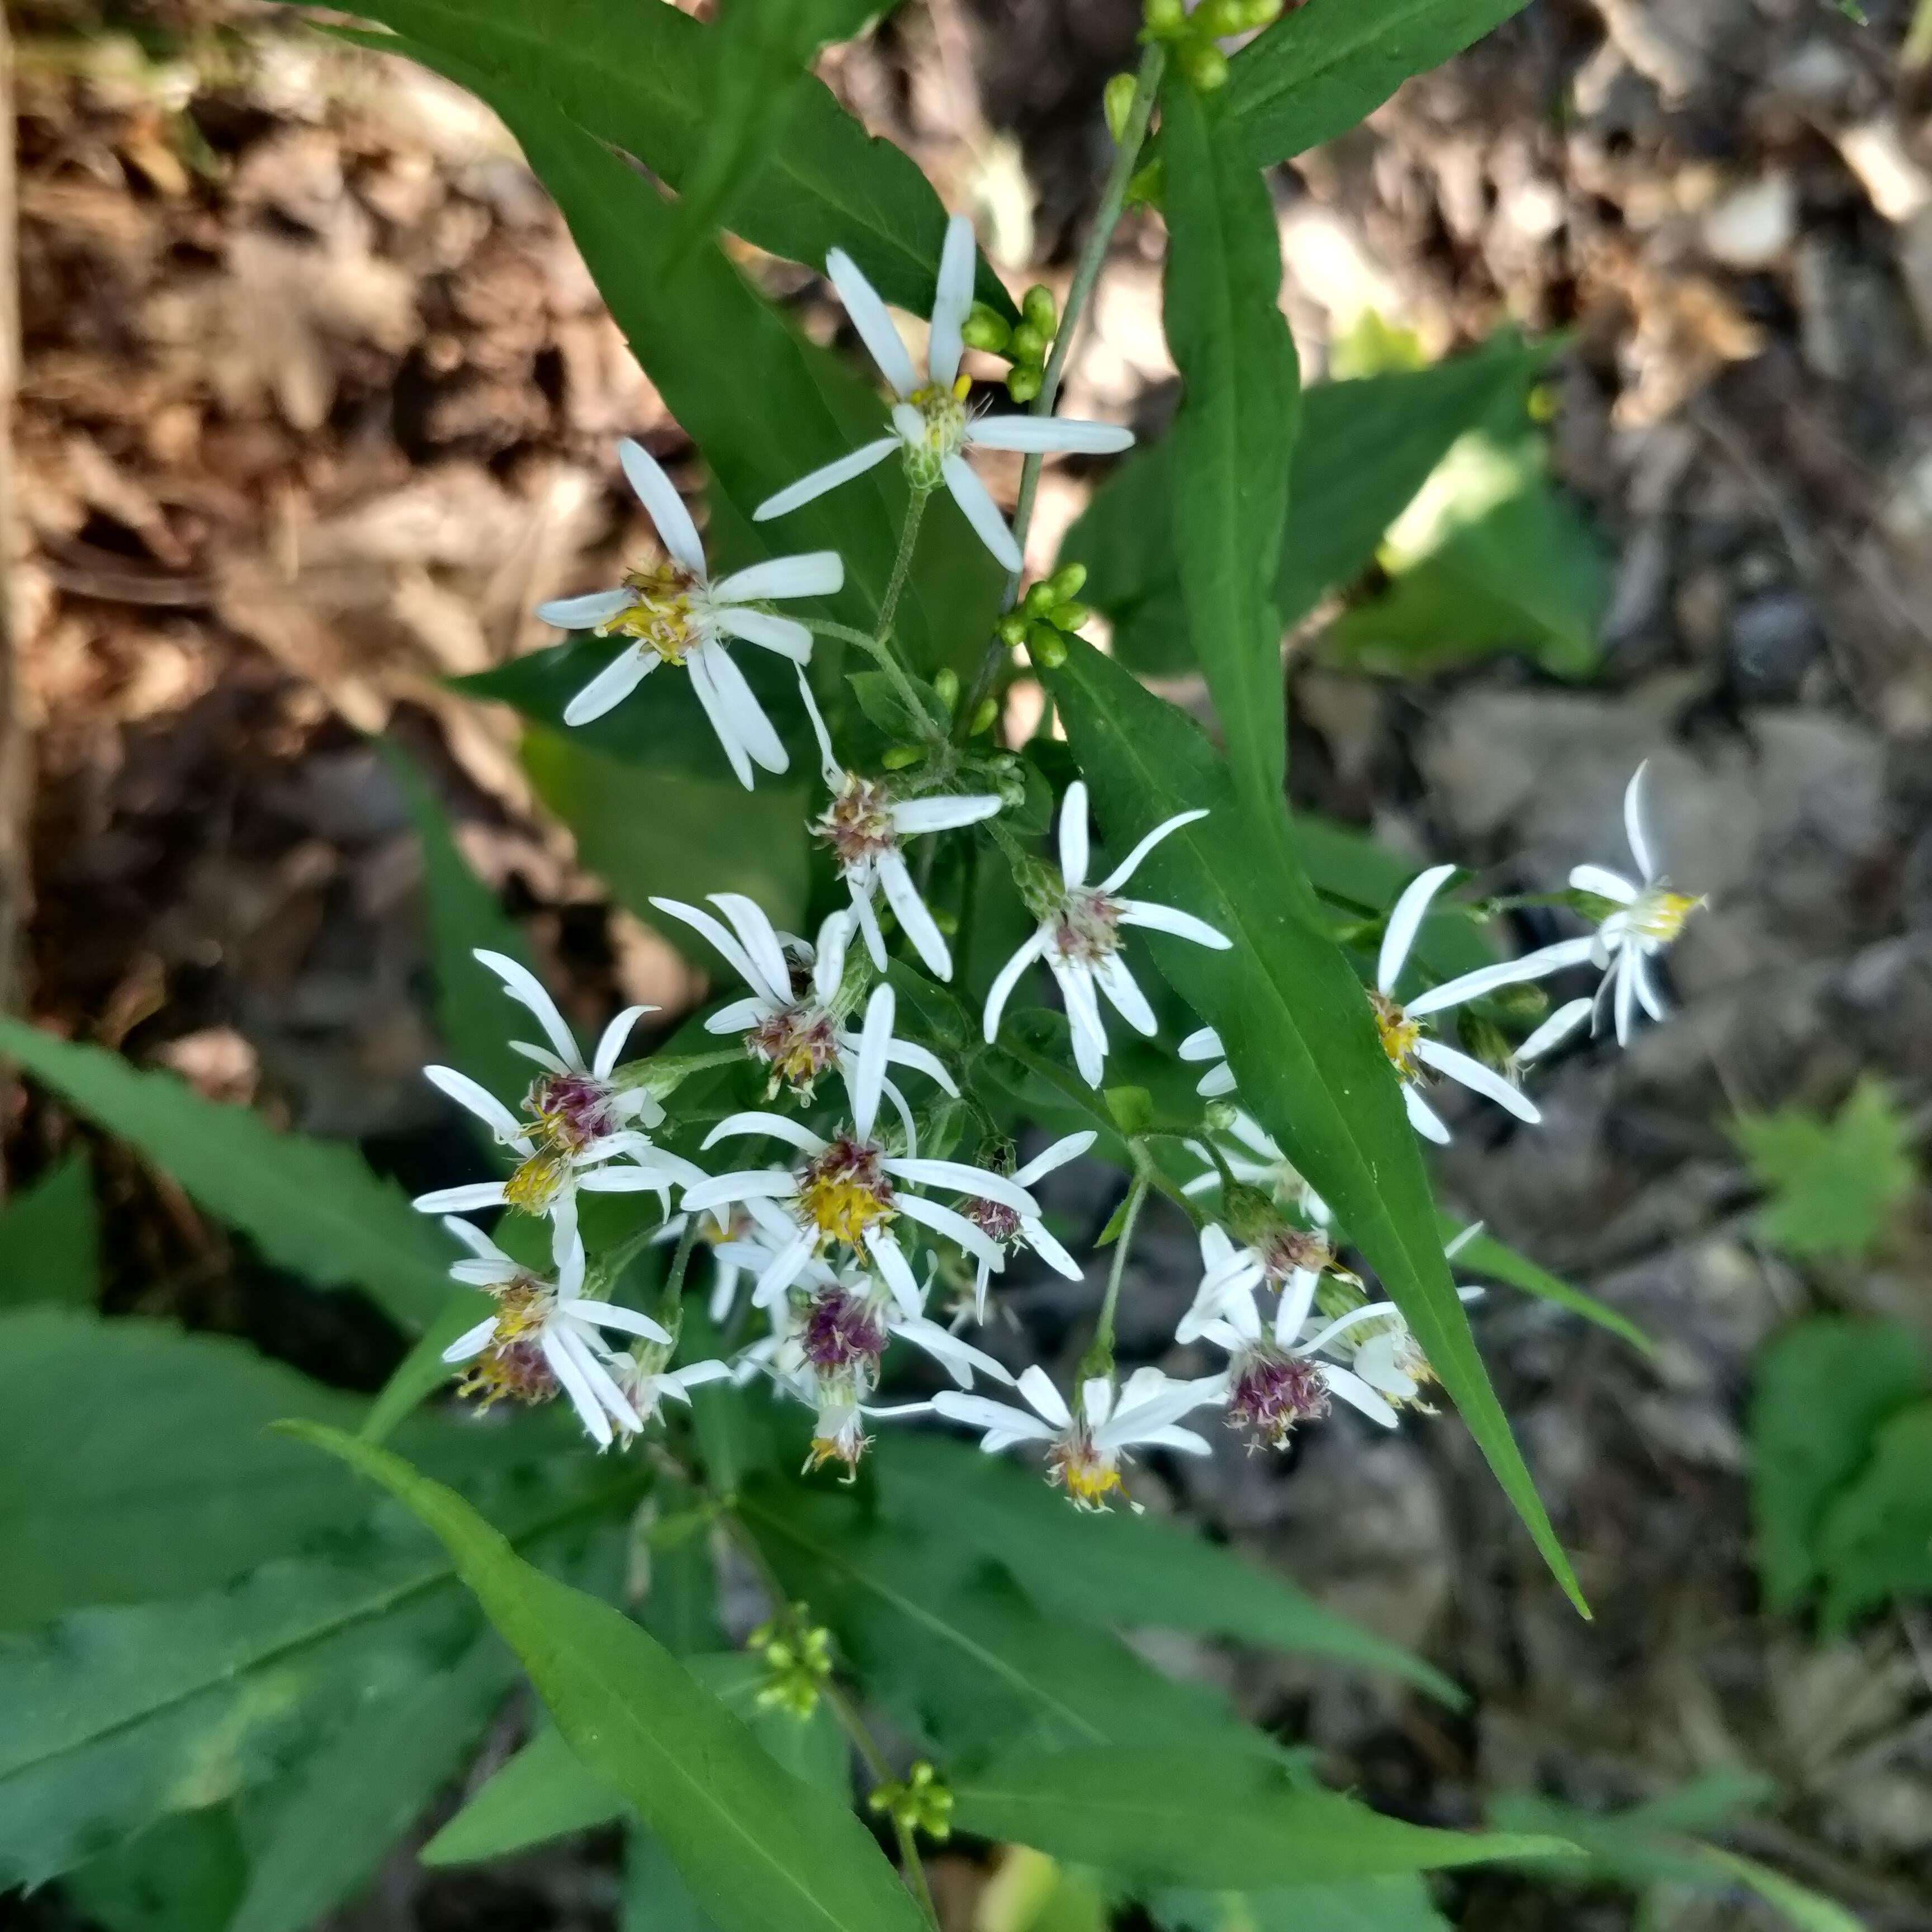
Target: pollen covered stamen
point(1087, 928)
point(943, 433)
point(1400, 1035)
point(513, 1364)
point(844, 1193)
point(995, 1219)
point(1659, 914)
point(842, 1335)
point(798, 1044)
point(570, 1111)
point(1285, 1248)
point(1272, 1391)
point(661, 617)
point(858, 823)
point(1088, 1474)
point(538, 1182)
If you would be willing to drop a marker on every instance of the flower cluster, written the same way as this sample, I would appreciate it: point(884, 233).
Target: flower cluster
point(869, 1183)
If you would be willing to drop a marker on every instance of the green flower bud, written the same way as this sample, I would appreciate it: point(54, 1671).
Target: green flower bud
point(982, 718)
point(1214, 18)
point(1205, 66)
point(1012, 629)
point(946, 684)
point(1261, 13)
point(1046, 646)
point(986, 328)
point(1039, 599)
point(1164, 18)
point(1069, 616)
point(1067, 582)
point(1037, 305)
point(1029, 344)
point(1023, 384)
point(1118, 103)
point(898, 757)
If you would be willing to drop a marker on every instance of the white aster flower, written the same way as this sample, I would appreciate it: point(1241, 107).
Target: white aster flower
point(648, 1382)
point(931, 424)
point(1079, 937)
point(1085, 1445)
point(1007, 1228)
point(794, 1021)
point(865, 826)
point(1273, 1253)
point(580, 1128)
point(674, 614)
point(1255, 1161)
point(1272, 1380)
point(1412, 1049)
point(851, 1190)
point(1648, 917)
point(544, 1335)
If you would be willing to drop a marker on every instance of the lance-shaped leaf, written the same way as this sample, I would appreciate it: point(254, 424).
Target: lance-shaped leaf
point(1326, 65)
point(1484, 1255)
point(1235, 433)
point(758, 1848)
point(312, 1207)
point(1207, 1815)
point(645, 78)
point(762, 404)
point(1294, 1019)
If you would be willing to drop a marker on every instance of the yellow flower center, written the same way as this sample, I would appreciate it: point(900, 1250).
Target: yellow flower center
point(660, 617)
point(537, 1182)
point(513, 1365)
point(1088, 1474)
point(843, 1193)
point(1660, 913)
point(1400, 1035)
point(943, 412)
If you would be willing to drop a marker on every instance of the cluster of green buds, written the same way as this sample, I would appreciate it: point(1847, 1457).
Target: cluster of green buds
point(1025, 344)
point(1045, 614)
point(920, 1803)
point(797, 1655)
point(1192, 38)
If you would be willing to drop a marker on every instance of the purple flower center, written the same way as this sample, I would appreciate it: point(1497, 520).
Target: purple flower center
point(842, 1335)
point(571, 1110)
point(1273, 1391)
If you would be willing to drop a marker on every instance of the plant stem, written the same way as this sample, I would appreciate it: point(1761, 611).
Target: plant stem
point(1103, 1337)
point(680, 1263)
point(1087, 272)
point(902, 563)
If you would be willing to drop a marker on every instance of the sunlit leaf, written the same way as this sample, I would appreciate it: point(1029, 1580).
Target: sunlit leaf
point(1294, 1018)
point(1833, 1183)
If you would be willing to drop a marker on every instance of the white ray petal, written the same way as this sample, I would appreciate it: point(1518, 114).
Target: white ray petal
point(659, 497)
point(785, 635)
point(1048, 435)
point(956, 1177)
point(566, 1365)
point(1554, 1031)
point(1043, 1243)
point(942, 1220)
point(463, 1200)
point(1131, 864)
point(1357, 1394)
point(828, 964)
point(1604, 882)
point(812, 573)
point(1637, 826)
point(952, 301)
point(1111, 976)
point(1144, 913)
point(1466, 986)
point(874, 323)
point(759, 937)
point(1007, 978)
point(1471, 1073)
point(1405, 922)
point(1204, 1043)
point(1037, 1386)
point(725, 943)
point(1076, 847)
point(628, 1321)
point(544, 1058)
point(1424, 1118)
point(923, 1059)
point(471, 1342)
point(749, 724)
point(889, 1257)
point(981, 512)
point(866, 1079)
point(778, 1125)
point(914, 816)
point(613, 1039)
point(915, 920)
point(523, 986)
point(795, 496)
point(1005, 1423)
point(611, 686)
point(1069, 1146)
point(478, 1099)
point(587, 612)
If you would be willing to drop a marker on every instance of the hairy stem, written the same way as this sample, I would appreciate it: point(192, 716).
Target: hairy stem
point(902, 563)
point(680, 1265)
point(1087, 272)
point(1101, 1353)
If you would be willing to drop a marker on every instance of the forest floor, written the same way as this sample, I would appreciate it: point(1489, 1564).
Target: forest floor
point(318, 401)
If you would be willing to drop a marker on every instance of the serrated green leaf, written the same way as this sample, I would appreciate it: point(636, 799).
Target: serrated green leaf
point(756, 1848)
point(316, 1837)
point(50, 1240)
point(1294, 1020)
point(312, 1207)
point(1822, 1391)
point(647, 833)
point(1875, 1542)
point(1234, 434)
point(1485, 1255)
point(644, 78)
point(471, 1012)
point(1833, 1183)
point(764, 405)
point(1326, 65)
point(1193, 1815)
point(546, 1790)
point(1117, 1570)
point(1364, 449)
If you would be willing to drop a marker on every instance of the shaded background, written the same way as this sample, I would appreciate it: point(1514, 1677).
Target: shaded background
point(317, 400)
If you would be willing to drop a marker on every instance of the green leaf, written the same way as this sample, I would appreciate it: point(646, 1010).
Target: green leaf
point(1117, 1569)
point(1347, 866)
point(1824, 1388)
point(1364, 449)
point(1325, 66)
point(312, 1207)
point(423, 1371)
point(547, 1790)
point(1876, 1541)
point(756, 1848)
point(644, 78)
point(655, 1897)
point(646, 833)
point(1833, 1183)
point(1294, 1019)
point(111, 1718)
point(1808, 1910)
point(185, 1874)
point(1200, 1815)
point(1401, 1904)
point(1235, 432)
point(317, 1836)
point(1485, 1255)
point(471, 1012)
point(50, 1240)
point(764, 405)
